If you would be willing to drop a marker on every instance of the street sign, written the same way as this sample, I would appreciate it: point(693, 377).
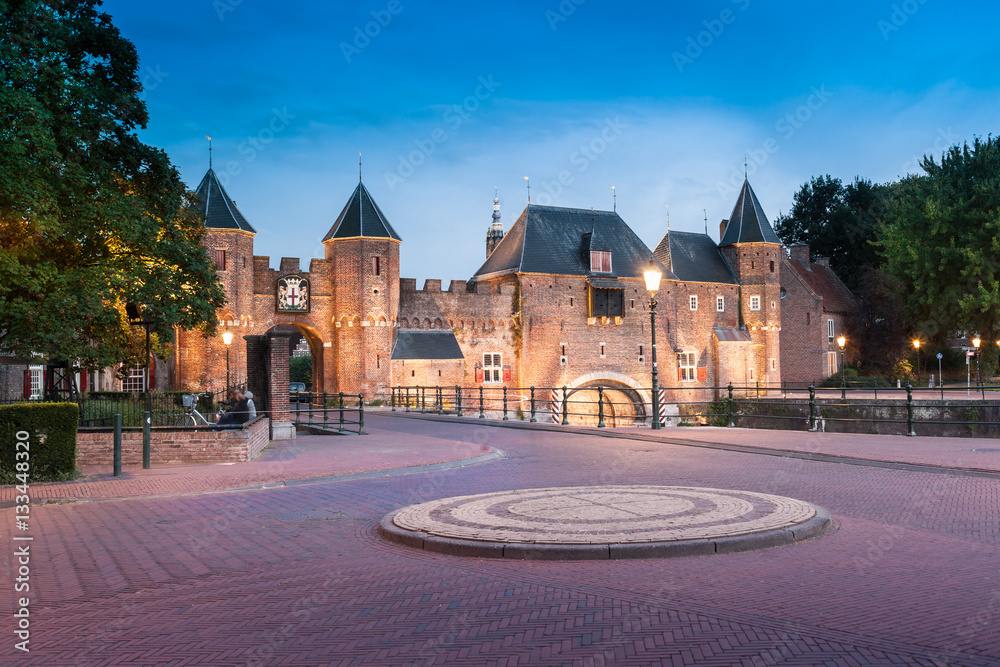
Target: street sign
point(940, 356)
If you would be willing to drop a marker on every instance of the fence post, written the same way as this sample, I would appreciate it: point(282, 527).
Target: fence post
point(812, 408)
point(392, 398)
point(341, 427)
point(361, 414)
point(731, 424)
point(423, 399)
point(533, 420)
point(909, 410)
point(565, 421)
point(458, 399)
point(482, 415)
point(407, 399)
point(440, 399)
point(312, 398)
point(600, 407)
point(147, 421)
point(505, 417)
point(118, 445)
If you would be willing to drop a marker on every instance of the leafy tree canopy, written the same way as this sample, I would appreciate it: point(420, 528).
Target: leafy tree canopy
point(90, 217)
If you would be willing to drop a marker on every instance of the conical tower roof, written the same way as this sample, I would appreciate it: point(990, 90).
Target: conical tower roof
point(747, 223)
point(361, 217)
point(218, 208)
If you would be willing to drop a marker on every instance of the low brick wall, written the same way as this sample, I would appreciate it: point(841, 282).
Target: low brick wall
point(95, 446)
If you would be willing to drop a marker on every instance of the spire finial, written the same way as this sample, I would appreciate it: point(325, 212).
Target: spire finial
point(614, 197)
point(359, 166)
point(497, 226)
point(706, 220)
point(209, 150)
point(529, 188)
point(745, 166)
point(668, 218)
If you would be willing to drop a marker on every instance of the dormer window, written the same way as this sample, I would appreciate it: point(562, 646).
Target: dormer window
point(600, 261)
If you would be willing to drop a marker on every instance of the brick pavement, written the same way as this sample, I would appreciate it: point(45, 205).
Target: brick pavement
point(297, 575)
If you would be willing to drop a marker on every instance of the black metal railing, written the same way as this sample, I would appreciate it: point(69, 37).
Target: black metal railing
point(339, 412)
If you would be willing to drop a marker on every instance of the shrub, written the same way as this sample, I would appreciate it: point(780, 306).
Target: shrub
point(52, 441)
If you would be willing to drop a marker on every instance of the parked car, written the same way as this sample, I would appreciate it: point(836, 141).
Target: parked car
point(294, 389)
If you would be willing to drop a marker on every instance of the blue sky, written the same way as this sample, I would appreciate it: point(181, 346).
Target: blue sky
point(447, 100)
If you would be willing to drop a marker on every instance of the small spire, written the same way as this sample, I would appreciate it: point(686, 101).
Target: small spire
point(706, 220)
point(497, 225)
point(745, 167)
point(209, 150)
point(529, 188)
point(359, 166)
point(668, 218)
point(614, 197)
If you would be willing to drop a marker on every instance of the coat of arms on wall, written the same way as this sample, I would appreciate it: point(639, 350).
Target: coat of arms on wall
point(293, 295)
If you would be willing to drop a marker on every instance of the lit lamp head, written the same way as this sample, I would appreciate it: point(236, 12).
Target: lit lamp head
point(652, 277)
point(976, 342)
point(916, 344)
point(842, 342)
point(227, 337)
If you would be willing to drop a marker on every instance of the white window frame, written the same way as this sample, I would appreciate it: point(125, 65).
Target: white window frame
point(136, 380)
point(832, 363)
point(687, 362)
point(36, 378)
point(492, 368)
point(831, 330)
point(720, 304)
point(693, 302)
point(600, 256)
point(755, 302)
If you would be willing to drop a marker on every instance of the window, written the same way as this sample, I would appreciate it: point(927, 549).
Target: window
point(36, 382)
point(772, 266)
point(220, 259)
point(755, 303)
point(600, 261)
point(134, 381)
point(831, 363)
point(492, 368)
point(720, 304)
point(830, 330)
point(602, 350)
point(693, 301)
point(571, 301)
point(376, 266)
point(751, 373)
point(774, 364)
point(607, 302)
point(807, 319)
point(686, 367)
point(640, 350)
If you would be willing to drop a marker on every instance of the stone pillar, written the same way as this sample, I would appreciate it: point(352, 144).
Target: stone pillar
point(281, 419)
point(257, 370)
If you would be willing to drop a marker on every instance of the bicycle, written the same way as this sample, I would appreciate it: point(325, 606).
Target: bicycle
point(191, 416)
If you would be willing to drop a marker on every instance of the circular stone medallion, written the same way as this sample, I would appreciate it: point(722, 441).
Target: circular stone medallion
point(587, 522)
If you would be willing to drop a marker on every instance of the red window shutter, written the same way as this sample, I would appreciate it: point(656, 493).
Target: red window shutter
point(152, 373)
point(27, 384)
point(702, 373)
point(479, 375)
point(506, 375)
point(83, 379)
point(680, 374)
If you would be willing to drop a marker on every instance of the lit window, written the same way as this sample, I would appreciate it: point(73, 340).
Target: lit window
point(831, 362)
point(720, 304)
point(492, 368)
point(220, 259)
point(600, 261)
point(686, 363)
point(830, 330)
point(693, 299)
point(755, 303)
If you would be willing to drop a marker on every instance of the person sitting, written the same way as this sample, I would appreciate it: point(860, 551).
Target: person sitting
point(239, 413)
point(251, 408)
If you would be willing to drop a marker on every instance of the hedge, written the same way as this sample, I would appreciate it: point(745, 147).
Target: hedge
point(52, 439)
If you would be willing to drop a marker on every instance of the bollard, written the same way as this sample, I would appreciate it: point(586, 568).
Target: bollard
point(909, 410)
point(731, 424)
point(812, 408)
point(482, 415)
point(118, 446)
point(147, 422)
point(458, 400)
point(600, 407)
point(505, 417)
point(533, 420)
point(341, 427)
point(361, 414)
point(565, 421)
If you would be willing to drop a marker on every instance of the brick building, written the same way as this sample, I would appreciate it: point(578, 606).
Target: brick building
point(559, 301)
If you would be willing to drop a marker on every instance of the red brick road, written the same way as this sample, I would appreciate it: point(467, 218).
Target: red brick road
point(296, 575)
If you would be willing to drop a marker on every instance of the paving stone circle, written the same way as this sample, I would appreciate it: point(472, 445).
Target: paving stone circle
point(605, 522)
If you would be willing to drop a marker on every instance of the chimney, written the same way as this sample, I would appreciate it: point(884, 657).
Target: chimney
point(823, 261)
point(722, 229)
point(799, 251)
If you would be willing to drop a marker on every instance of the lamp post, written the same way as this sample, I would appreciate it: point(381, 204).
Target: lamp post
point(652, 277)
point(916, 346)
point(227, 338)
point(842, 343)
point(141, 314)
point(976, 342)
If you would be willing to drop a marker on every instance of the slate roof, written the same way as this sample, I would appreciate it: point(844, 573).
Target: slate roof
point(549, 239)
point(747, 223)
point(361, 217)
point(427, 345)
point(694, 258)
point(731, 335)
point(824, 282)
point(217, 206)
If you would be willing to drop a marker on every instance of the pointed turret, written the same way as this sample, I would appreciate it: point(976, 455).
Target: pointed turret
point(748, 224)
point(361, 217)
point(495, 235)
point(218, 207)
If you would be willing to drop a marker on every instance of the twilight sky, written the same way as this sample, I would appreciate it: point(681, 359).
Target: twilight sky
point(447, 100)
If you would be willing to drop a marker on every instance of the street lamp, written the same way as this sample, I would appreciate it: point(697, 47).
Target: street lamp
point(916, 346)
point(976, 342)
point(842, 343)
point(652, 277)
point(227, 338)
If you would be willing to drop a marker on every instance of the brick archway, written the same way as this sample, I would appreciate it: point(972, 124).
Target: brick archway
point(624, 398)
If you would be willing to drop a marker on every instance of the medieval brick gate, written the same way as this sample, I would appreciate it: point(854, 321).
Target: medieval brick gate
point(267, 378)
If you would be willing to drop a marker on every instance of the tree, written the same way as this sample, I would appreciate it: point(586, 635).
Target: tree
point(941, 238)
point(90, 217)
point(300, 369)
point(836, 221)
point(877, 328)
